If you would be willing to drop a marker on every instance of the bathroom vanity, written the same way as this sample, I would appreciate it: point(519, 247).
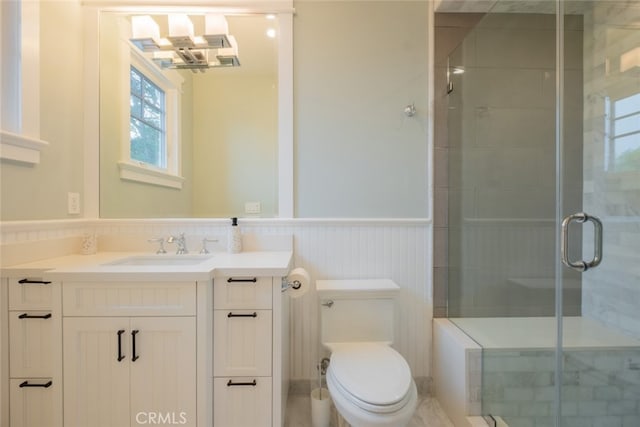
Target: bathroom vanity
point(120, 339)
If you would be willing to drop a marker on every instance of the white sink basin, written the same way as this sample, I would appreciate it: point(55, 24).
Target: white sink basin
point(161, 260)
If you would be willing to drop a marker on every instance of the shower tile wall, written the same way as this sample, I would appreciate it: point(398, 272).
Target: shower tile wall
point(600, 388)
point(612, 189)
point(501, 167)
point(450, 30)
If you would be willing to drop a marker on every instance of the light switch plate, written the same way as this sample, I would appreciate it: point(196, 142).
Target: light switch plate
point(73, 203)
point(252, 207)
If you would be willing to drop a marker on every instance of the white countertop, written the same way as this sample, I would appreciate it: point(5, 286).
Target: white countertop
point(97, 268)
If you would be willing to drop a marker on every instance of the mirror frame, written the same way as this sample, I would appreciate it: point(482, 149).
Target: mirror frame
point(91, 18)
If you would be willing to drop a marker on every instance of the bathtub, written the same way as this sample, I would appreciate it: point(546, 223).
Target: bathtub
point(505, 348)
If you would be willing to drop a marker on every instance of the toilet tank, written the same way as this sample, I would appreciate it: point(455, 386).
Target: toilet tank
point(357, 310)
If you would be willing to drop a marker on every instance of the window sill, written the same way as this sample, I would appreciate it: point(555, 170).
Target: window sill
point(20, 148)
point(139, 173)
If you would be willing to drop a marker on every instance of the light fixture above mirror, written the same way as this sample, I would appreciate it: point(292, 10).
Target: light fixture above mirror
point(181, 48)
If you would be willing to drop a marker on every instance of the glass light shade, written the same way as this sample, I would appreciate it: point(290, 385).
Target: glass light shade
point(215, 24)
point(144, 27)
point(180, 25)
point(200, 41)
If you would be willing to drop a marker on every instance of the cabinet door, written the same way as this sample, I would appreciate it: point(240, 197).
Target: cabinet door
point(34, 406)
point(163, 374)
point(242, 343)
point(96, 383)
point(31, 334)
point(242, 402)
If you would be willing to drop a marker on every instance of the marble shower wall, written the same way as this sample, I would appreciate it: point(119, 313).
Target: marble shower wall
point(501, 165)
point(611, 292)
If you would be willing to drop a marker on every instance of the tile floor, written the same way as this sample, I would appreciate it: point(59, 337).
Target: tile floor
point(428, 414)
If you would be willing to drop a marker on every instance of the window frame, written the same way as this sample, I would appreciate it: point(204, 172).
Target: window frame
point(20, 83)
point(163, 153)
point(610, 131)
point(170, 82)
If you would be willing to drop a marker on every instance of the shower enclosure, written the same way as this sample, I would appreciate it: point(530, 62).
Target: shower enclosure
point(543, 126)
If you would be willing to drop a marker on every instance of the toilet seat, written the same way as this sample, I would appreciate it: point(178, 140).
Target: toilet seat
point(372, 376)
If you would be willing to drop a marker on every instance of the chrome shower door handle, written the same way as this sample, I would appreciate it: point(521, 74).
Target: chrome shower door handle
point(597, 241)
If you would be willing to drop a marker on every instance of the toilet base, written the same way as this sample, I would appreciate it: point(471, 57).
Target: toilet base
point(341, 421)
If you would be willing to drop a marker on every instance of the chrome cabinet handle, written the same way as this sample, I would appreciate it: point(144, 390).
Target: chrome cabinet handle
point(597, 241)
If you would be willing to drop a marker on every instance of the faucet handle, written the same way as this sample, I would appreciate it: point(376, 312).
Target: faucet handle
point(159, 240)
point(181, 243)
point(204, 249)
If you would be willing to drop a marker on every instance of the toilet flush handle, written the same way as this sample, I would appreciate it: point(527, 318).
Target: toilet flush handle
point(327, 303)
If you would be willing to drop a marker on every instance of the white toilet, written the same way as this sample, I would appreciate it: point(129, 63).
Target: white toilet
point(370, 382)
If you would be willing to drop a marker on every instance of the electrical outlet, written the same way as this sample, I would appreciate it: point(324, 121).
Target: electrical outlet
point(73, 203)
point(252, 208)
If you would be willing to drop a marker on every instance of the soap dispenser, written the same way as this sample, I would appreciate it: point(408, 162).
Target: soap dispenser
point(234, 241)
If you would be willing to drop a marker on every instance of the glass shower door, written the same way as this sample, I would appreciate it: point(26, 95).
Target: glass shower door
point(544, 130)
point(599, 360)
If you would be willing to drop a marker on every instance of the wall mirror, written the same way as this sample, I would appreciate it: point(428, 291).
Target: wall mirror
point(223, 126)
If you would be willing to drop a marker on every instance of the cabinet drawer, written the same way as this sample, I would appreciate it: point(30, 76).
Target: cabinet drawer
point(32, 335)
point(242, 343)
point(34, 406)
point(237, 402)
point(248, 292)
point(30, 294)
point(129, 299)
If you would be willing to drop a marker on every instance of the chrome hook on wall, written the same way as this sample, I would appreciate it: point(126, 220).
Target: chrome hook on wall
point(410, 110)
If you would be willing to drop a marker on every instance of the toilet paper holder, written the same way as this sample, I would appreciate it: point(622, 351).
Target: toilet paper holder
point(286, 284)
point(297, 282)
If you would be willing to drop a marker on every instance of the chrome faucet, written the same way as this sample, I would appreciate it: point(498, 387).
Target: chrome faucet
point(159, 240)
point(181, 242)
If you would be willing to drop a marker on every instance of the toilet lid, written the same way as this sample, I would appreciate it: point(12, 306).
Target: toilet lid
point(374, 373)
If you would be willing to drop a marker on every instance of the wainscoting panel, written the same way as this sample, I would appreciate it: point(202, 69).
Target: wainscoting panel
point(346, 251)
point(328, 248)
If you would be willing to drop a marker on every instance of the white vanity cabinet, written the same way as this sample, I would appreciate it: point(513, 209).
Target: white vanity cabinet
point(103, 344)
point(35, 383)
point(243, 352)
point(130, 353)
